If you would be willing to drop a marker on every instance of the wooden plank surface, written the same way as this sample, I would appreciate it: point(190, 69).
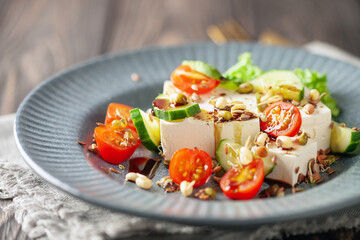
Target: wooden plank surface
point(41, 37)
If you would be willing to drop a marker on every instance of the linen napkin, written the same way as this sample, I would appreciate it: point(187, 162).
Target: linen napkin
point(44, 212)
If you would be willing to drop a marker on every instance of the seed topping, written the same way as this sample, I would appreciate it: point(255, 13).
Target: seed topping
point(186, 188)
point(143, 182)
point(245, 88)
point(135, 77)
point(284, 142)
point(309, 109)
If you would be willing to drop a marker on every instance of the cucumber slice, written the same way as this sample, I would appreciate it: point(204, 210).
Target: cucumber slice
point(343, 139)
point(268, 165)
point(169, 113)
point(280, 81)
point(148, 129)
point(226, 152)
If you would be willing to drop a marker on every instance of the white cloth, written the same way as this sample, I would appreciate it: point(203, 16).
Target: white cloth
point(45, 212)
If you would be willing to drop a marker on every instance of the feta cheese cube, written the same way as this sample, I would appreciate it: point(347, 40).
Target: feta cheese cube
point(192, 132)
point(290, 163)
point(317, 125)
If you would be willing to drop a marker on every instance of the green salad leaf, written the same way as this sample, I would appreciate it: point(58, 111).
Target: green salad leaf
point(229, 85)
point(316, 80)
point(243, 70)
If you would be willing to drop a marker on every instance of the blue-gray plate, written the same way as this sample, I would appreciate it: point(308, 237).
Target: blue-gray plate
point(65, 108)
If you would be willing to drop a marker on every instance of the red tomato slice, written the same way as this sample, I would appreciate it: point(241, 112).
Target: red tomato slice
point(243, 183)
point(115, 144)
point(283, 119)
point(116, 111)
point(190, 165)
point(191, 81)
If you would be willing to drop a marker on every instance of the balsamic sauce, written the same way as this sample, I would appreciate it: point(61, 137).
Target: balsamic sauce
point(144, 165)
point(161, 103)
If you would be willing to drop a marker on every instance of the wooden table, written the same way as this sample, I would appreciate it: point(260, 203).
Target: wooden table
point(41, 37)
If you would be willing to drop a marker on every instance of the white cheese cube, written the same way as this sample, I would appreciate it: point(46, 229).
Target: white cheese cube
point(237, 131)
point(192, 132)
point(290, 163)
point(317, 125)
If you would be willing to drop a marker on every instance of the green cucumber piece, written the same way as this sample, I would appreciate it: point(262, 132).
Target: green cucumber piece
point(280, 81)
point(343, 139)
point(204, 68)
point(175, 113)
point(226, 152)
point(148, 129)
point(268, 165)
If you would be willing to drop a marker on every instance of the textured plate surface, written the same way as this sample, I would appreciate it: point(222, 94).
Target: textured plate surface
point(65, 108)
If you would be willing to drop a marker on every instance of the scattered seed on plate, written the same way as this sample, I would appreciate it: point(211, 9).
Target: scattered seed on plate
point(135, 77)
point(114, 170)
point(331, 171)
point(93, 148)
point(81, 143)
point(216, 169)
point(143, 182)
point(105, 170)
point(131, 176)
point(217, 179)
point(206, 194)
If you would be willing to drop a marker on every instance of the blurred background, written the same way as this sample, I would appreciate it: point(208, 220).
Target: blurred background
point(41, 37)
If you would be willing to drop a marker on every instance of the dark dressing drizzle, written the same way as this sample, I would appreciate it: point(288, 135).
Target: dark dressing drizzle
point(161, 103)
point(145, 166)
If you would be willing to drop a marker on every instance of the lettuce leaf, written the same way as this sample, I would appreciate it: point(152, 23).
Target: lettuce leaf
point(229, 85)
point(243, 70)
point(316, 80)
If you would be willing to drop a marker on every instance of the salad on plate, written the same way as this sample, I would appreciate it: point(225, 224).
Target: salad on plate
point(241, 128)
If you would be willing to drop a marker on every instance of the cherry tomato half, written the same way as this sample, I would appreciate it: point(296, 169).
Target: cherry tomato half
point(116, 111)
point(115, 144)
point(190, 165)
point(243, 183)
point(191, 81)
point(283, 119)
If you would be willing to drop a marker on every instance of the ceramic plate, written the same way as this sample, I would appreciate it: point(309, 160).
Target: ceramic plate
point(65, 108)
